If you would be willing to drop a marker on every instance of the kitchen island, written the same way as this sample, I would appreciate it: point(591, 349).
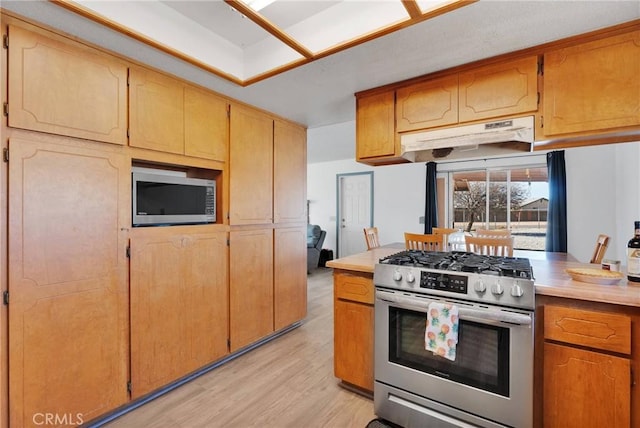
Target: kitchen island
point(585, 344)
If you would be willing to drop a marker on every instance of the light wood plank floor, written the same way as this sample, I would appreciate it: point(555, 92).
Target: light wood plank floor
point(287, 382)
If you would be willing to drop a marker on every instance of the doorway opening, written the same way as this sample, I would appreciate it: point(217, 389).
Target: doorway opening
point(354, 211)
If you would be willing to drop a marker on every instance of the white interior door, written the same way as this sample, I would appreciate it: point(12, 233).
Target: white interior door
point(355, 211)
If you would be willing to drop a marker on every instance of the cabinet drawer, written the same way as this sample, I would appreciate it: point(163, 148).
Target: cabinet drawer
point(354, 287)
point(600, 330)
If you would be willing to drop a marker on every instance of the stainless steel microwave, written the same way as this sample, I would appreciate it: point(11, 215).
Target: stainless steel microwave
point(164, 200)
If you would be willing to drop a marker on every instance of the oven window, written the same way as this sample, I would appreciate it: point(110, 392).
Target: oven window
point(482, 353)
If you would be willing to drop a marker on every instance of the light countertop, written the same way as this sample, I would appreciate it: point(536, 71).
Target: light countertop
point(549, 272)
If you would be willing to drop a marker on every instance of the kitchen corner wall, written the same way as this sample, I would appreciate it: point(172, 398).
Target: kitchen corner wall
point(603, 192)
point(603, 196)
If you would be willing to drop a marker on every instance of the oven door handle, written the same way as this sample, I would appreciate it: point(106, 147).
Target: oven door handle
point(472, 314)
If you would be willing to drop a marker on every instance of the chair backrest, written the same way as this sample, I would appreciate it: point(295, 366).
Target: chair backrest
point(371, 236)
point(493, 233)
point(418, 241)
point(601, 247)
point(490, 246)
point(445, 232)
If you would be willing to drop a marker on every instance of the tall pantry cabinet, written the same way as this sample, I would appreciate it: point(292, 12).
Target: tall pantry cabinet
point(68, 314)
point(100, 313)
point(68, 216)
point(267, 159)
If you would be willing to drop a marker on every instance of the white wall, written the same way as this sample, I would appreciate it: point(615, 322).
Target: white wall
point(603, 193)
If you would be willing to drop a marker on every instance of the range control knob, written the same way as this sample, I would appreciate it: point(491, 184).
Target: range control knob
point(517, 291)
point(480, 287)
point(397, 276)
point(410, 277)
point(497, 288)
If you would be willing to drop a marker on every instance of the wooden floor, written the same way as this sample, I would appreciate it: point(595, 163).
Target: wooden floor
point(287, 382)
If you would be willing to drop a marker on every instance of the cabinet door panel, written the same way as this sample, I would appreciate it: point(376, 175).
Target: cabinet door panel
point(178, 305)
point(499, 90)
point(251, 167)
point(63, 88)
point(156, 111)
point(206, 125)
point(251, 286)
point(68, 322)
point(290, 276)
point(290, 173)
point(428, 104)
point(375, 125)
point(593, 86)
point(585, 389)
point(353, 343)
point(599, 330)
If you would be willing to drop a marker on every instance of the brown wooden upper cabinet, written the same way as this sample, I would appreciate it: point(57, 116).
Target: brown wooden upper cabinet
point(65, 88)
point(156, 111)
point(289, 173)
point(206, 125)
point(505, 89)
point(497, 90)
point(170, 116)
point(251, 166)
point(375, 125)
point(427, 104)
point(593, 86)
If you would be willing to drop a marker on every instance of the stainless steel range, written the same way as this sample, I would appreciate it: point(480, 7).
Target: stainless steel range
point(489, 382)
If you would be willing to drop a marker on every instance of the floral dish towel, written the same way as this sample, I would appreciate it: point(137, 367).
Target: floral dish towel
point(441, 335)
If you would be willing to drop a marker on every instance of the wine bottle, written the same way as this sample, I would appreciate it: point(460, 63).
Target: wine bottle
point(633, 255)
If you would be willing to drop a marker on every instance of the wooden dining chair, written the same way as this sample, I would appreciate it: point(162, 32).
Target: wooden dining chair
point(371, 236)
point(601, 247)
point(419, 241)
point(498, 233)
point(502, 246)
point(444, 232)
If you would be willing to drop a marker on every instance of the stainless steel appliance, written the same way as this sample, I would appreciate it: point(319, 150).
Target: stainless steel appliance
point(490, 383)
point(163, 199)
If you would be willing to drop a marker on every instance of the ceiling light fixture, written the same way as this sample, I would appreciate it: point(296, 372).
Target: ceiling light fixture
point(258, 4)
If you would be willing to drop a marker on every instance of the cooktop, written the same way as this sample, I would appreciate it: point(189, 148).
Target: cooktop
point(459, 261)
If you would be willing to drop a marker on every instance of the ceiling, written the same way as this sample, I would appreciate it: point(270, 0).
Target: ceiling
point(320, 92)
point(246, 41)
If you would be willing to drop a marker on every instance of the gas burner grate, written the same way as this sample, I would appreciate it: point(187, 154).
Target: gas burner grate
point(457, 261)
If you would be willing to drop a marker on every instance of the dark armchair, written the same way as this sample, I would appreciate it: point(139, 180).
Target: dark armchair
point(315, 239)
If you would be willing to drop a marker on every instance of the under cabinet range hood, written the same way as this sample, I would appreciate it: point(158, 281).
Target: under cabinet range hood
point(479, 140)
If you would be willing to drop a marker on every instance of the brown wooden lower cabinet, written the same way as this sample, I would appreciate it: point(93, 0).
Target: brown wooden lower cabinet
point(251, 286)
point(588, 358)
point(179, 314)
point(68, 316)
point(289, 276)
point(353, 328)
point(585, 388)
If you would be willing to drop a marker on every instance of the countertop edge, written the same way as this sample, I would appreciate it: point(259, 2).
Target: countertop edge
point(552, 279)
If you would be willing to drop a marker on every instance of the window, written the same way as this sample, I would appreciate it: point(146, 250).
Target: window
point(501, 197)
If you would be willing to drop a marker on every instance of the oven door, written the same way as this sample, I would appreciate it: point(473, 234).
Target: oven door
point(490, 383)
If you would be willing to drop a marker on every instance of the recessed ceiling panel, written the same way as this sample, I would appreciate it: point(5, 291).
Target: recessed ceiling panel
point(220, 18)
point(173, 30)
point(346, 21)
point(245, 45)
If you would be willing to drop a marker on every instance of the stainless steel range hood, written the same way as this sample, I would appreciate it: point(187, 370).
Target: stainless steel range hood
point(470, 141)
